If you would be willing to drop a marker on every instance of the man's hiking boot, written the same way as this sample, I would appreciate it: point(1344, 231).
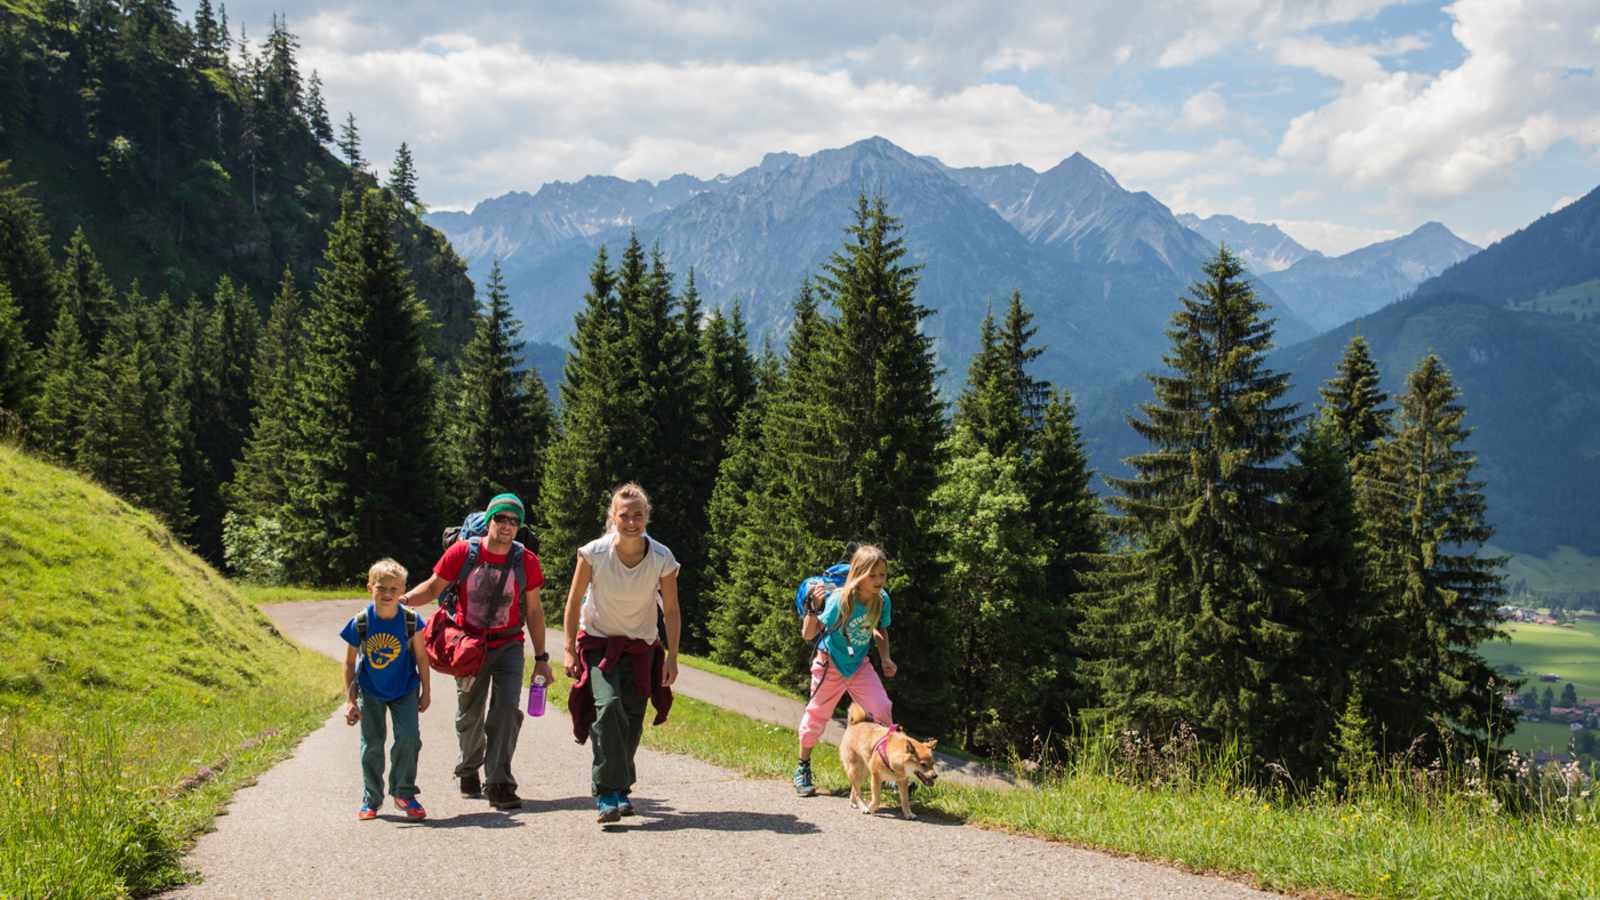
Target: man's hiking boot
point(502, 796)
point(802, 780)
point(470, 785)
point(624, 805)
point(608, 809)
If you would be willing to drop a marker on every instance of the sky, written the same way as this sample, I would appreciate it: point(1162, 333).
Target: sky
point(1342, 121)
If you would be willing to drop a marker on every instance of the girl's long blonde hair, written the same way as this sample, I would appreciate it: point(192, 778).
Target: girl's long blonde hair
point(866, 558)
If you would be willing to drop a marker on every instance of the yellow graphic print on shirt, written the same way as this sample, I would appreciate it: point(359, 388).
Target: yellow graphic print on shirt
point(381, 649)
point(860, 634)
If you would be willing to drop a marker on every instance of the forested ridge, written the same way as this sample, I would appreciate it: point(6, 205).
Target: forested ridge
point(1301, 584)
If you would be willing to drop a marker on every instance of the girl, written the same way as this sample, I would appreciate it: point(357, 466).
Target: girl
point(854, 617)
point(613, 645)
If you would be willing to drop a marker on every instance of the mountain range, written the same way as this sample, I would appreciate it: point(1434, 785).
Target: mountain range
point(1330, 291)
point(1101, 267)
point(1529, 379)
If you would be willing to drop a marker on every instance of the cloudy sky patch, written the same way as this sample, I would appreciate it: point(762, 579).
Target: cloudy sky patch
point(1344, 121)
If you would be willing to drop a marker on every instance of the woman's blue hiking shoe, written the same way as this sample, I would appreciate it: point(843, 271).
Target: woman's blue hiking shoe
point(608, 809)
point(802, 779)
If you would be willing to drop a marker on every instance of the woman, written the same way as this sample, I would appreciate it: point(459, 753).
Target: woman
point(614, 650)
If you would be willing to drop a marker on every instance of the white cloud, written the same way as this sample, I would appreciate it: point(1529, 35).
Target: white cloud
point(1206, 109)
point(485, 118)
point(1526, 83)
point(1562, 203)
point(1333, 238)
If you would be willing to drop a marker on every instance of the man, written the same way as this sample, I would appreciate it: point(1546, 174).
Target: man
point(498, 593)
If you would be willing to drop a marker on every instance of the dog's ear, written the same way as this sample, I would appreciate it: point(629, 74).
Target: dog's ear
point(933, 743)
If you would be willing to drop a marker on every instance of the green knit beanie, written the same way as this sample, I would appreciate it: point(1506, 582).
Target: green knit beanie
point(510, 503)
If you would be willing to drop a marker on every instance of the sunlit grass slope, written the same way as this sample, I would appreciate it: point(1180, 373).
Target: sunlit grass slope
point(138, 688)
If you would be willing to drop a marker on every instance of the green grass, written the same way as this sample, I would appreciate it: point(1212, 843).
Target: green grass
point(1579, 300)
point(1573, 653)
point(1565, 570)
point(739, 675)
point(138, 689)
point(258, 594)
point(1408, 833)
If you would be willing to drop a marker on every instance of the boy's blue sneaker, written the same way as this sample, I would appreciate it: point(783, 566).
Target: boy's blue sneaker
point(802, 780)
point(608, 807)
point(624, 805)
point(410, 807)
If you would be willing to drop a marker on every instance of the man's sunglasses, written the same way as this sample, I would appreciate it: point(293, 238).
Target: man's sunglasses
point(506, 520)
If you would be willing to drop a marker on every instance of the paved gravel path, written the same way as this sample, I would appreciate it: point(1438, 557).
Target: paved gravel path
point(701, 831)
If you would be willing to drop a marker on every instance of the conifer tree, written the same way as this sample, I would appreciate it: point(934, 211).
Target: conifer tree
point(500, 417)
point(350, 144)
point(317, 111)
point(728, 374)
point(403, 178)
point(1182, 626)
point(208, 49)
point(132, 449)
point(1354, 404)
point(782, 477)
point(253, 542)
point(878, 386)
point(19, 362)
point(25, 263)
point(583, 461)
point(85, 291)
point(1329, 607)
point(1425, 523)
point(64, 394)
point(365, 474)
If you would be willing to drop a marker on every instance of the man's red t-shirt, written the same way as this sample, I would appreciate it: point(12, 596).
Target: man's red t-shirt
point(449, 565)
point(483, 610)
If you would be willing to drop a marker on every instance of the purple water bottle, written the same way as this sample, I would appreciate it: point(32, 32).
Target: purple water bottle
point(536, 696)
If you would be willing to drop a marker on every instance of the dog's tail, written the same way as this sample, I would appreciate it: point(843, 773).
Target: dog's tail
point(858, 714)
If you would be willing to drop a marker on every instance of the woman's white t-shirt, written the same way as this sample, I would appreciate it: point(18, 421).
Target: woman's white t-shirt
point(621, 601)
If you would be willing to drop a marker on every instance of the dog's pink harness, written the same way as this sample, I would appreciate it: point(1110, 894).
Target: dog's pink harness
point(883, 742)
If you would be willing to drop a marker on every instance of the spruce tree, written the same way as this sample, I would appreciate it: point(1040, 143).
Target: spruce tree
point(403, 178)
point(1425, 523)
point(253, 541)
point(350, 145)
point(365, 475)
point(25, 263)
point(878, 385)
point(586, 450)
point(19, 361)
point(132, 448)
point(780, 479)
point(64, 395)
point(1182, 627)
point(316, 110)
point(85, 290)
point(500, 417)
point(1354, 405)
point(208, 50)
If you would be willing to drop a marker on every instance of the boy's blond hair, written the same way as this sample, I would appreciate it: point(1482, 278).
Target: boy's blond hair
point(385, 568)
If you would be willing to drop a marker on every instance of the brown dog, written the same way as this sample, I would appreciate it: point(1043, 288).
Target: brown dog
point(870, 750)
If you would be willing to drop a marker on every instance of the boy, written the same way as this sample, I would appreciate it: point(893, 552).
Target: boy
point(392, 669)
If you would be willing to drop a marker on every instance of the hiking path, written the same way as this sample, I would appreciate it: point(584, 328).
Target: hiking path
point(701, 831)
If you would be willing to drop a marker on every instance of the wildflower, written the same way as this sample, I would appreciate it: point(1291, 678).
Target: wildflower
point(1384, 877)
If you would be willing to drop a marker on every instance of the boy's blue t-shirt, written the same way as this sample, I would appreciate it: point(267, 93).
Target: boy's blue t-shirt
point(386, 667)
point(849, 644)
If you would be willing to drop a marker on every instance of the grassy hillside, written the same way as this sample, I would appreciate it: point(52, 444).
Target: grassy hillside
point(137, 689)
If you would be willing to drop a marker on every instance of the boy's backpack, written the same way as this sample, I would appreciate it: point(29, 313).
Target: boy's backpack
point(413, 625)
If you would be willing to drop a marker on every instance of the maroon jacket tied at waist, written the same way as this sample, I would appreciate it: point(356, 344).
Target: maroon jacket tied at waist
point(646, 678)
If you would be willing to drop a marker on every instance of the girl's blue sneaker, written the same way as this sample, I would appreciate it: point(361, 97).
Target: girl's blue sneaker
point(624, 805)
point(608, 807)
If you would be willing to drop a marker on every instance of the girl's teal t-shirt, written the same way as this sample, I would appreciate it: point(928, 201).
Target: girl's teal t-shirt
point(848, 645)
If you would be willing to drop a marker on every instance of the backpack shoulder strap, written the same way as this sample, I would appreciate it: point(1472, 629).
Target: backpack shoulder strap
point(413, 623)
point(361, 632)
point(518, 570)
